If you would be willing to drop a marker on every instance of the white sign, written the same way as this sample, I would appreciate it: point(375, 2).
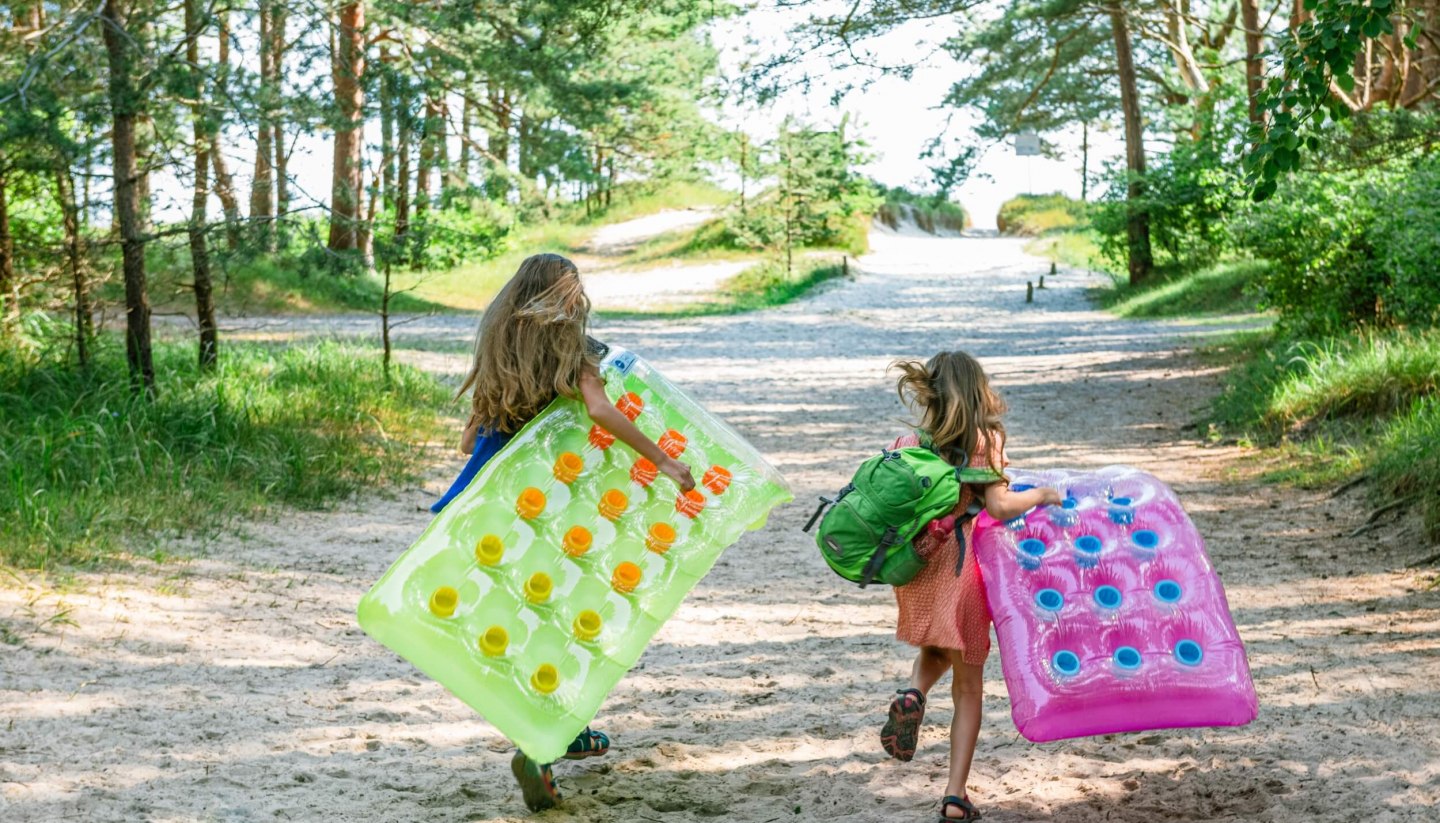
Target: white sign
point(1027, 144)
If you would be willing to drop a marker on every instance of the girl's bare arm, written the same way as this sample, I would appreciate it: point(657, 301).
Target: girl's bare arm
point(1004, 504)
point(611, 419)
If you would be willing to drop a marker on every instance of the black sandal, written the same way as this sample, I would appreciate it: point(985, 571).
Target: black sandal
point(537, 783)
point(967, 809)
point(901, 732)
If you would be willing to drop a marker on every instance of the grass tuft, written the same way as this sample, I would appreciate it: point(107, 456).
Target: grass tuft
point(1225, 288)
point(91, 468)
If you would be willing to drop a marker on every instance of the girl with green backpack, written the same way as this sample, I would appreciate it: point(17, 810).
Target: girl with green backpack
point(943, 609)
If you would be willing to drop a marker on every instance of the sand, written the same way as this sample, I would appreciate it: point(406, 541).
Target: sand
point(230, 681)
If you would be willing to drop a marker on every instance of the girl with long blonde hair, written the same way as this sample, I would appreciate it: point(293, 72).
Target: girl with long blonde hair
point(532, 347)
point(943, 610)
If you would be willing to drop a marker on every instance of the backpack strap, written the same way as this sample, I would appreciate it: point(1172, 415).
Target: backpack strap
point(872, 568)
point(971, 511)
point(826, 503)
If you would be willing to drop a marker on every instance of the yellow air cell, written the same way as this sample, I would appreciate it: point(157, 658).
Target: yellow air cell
point(568, 467)
point(577, 541)
point(660, 538)
point(538, 587)
point(613, 503)
point(546, 679)
point(530, 504)
point(626, 577)
point(489, 550)
point(443, 601)
point(494, 641)
point(587, 625)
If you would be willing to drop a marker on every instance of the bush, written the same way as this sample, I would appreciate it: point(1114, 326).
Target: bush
point(1351, 248)
point(932, 213)
point(1035, 214)
point(1189, 194)
point(91, 466)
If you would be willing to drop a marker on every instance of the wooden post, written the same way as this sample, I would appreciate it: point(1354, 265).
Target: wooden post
point(1029, 292)
point(845, 265)
point(1042, 282)
point(1052, 268)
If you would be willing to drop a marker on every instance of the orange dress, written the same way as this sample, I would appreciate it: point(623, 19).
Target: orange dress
point(938, 607)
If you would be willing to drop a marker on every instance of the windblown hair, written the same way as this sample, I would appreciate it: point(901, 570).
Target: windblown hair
point(531, 345)
point(956, 405)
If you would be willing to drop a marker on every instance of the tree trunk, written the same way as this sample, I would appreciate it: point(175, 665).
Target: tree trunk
point(9, 287)
point(262, 187)
point(277, 123)
point(1138, 220)
point(426, 163)
point(74, 257)
point(497, 182)
point(74, 260)
point(1254, 63)
point(387, 127)
point(348, 74)
point(224, 182)
point(199, 253)
point(125, 107)
point(1085, 162)
point(402, 173)
point(467, 131)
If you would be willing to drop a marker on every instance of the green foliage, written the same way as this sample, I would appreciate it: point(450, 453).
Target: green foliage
point(818, 199)
point(1407, 459)
point(468, 229)
point(1297, 101)
point(935, 213)
point(91, 468)
point(1188, 194)
point(1351, 247)
point(1032, 215)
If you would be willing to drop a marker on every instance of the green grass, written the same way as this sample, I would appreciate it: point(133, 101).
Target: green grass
point(1225, 288)
point(1078, 249)
point(1035, 215)
point(93, 471)
point(1342, 407)
point(630, 201)
point(470, 287)
point(761, 286)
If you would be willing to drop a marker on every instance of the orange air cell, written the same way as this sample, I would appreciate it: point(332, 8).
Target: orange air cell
point(577, 541)
point(626, 577)
point(644, 472)
point(673, 443)
point(568, 467)
point(601, 439)
point(530, 504)
point(613, 503)
point(690, 504)
point(660, 538)
point(717, 480)
point(630, 405)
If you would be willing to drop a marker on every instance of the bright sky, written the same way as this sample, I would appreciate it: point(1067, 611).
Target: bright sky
point(896, 117)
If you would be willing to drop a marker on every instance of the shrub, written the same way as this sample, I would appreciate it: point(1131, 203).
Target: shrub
point(1036, 214)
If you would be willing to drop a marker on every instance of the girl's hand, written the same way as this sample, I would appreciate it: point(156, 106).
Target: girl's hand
point(677, 471)
point(1050, 497)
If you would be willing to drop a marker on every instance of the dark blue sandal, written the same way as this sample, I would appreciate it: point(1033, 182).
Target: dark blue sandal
point(588, 743)
point(901, 732)
point(967, 809)
point(537, 783)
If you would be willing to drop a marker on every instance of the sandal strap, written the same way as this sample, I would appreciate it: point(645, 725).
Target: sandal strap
point(916, 693)
point(971, 813)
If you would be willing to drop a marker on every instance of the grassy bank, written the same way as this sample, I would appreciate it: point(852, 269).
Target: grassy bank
point(1343, 408)
point(94, 471)
point(761, 286)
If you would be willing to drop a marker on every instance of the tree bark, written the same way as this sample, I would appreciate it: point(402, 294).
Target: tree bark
point(1254, 65)
point(402, 172)
point(387, 127)
point(497, 182)
point(262, 187)
point(1137, 226)
point(199, 252)
point(224, 182)
point(348, 75)
point(74, 260)
point(126, 106)
point(9, 287)
point(277, 121)
point(467, 131)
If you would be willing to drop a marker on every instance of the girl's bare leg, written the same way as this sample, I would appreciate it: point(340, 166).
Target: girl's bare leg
point(930, 665)
point(967, 689)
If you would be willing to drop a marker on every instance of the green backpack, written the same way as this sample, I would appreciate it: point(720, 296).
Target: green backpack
point(866, 530)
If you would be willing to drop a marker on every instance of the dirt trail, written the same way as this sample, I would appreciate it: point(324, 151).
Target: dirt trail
point(235, 686)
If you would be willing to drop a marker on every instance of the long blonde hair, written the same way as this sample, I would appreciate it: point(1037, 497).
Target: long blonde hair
point(531, 344)
point(956, 405)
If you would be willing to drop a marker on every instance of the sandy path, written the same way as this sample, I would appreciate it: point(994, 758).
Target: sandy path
point(236, 686)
